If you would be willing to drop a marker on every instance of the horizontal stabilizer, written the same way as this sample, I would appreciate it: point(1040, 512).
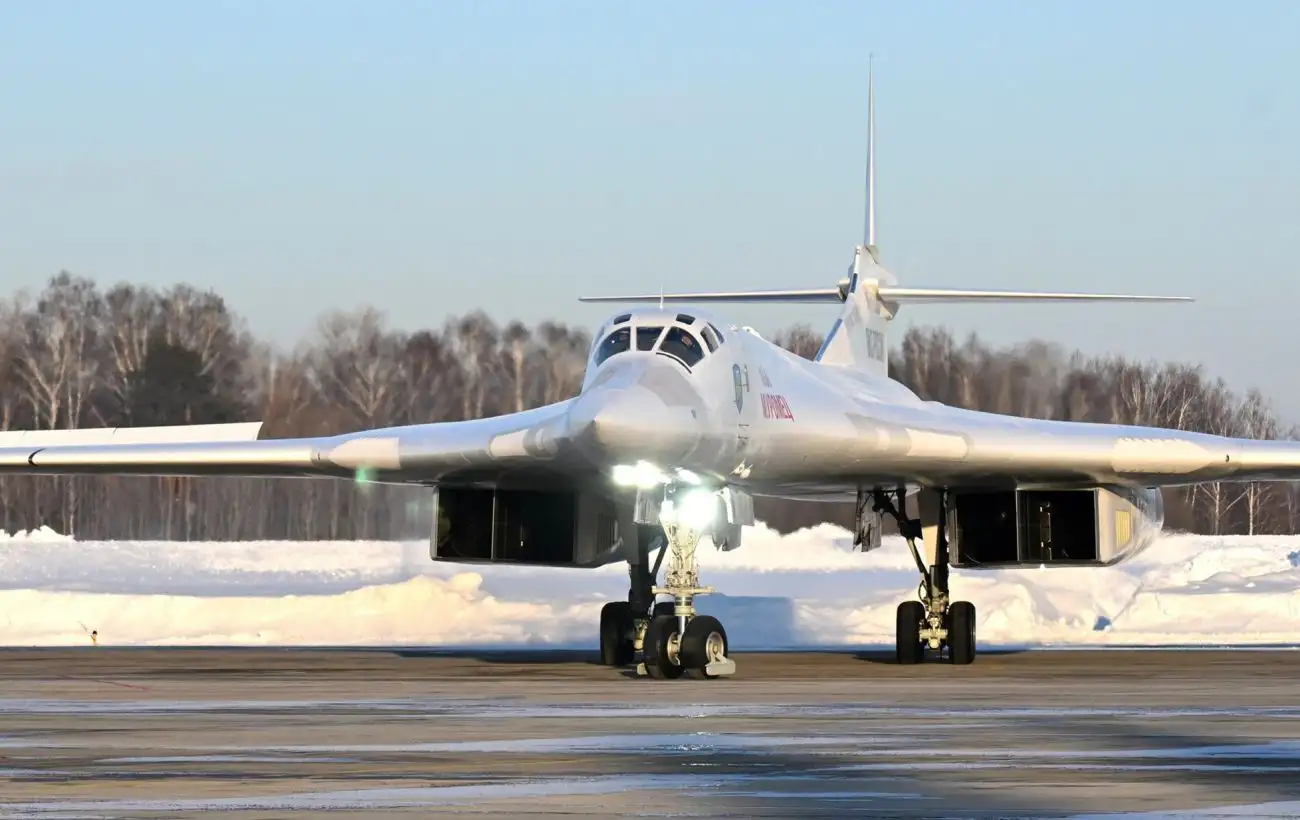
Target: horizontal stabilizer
point(886, 292)
point(939, 295)
point(775, 296)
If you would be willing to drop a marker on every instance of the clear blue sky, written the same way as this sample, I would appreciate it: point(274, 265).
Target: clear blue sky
point(435, 157)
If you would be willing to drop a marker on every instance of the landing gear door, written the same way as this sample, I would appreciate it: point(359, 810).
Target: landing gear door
point(440, 525)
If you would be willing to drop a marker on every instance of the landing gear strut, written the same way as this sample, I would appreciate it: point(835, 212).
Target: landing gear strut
point(933, 622)
point(670, 638)
point(683, 641)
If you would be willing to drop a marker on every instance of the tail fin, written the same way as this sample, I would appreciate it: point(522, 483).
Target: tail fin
point(859, 337)
point(869, 230)
point(870, 295)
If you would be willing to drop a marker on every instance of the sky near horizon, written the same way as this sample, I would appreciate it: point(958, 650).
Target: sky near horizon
point(432, 158)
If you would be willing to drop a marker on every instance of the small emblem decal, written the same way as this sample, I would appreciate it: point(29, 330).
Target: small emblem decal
point(740, 386)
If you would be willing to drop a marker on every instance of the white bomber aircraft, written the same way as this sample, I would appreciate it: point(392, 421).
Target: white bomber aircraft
point(682, 419)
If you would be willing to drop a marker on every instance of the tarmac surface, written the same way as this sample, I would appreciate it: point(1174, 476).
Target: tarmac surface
point(262, 733)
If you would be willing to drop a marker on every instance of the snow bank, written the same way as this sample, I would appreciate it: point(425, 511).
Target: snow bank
point(43, 534)
point(808, 588)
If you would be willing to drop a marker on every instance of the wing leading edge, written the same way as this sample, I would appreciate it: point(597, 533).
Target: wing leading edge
point(414, 453)
point(947, 446)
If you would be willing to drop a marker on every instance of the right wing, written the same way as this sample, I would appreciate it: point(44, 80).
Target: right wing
point(965, 448)
point(422, 452)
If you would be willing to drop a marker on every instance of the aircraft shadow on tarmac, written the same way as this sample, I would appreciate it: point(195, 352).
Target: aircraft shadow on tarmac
point(754, 623)
point(887, 654)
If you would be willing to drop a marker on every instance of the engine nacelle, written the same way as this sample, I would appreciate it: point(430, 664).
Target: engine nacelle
point(560, 527)
point(1052, 527)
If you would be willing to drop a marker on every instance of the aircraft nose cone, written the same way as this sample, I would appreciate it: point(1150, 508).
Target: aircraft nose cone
point(623, 426)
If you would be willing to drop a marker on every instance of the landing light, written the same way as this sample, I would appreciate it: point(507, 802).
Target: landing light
point(696, 509)
point(643, 474)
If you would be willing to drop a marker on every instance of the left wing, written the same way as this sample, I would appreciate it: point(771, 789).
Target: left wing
point(421, 452)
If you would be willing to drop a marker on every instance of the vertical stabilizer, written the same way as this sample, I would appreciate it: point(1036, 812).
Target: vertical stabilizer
point(869, 231)
point(858, 338)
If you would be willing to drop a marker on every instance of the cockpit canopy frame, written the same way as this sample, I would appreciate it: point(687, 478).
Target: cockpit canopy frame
point(682, 337)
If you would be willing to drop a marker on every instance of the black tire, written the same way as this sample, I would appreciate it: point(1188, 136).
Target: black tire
point(616, 634)
point(658, 664)
point(961, 632)
point(908, 648)
point(704, 639)
point(662, 608)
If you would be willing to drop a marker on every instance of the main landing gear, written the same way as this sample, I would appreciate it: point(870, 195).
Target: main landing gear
point(670, 639)
point(933, 622)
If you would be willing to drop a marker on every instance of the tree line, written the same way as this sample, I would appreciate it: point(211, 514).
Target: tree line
point(76, 355)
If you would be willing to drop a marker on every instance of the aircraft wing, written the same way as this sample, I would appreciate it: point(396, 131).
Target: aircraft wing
point(419, 452)
point(946, 445)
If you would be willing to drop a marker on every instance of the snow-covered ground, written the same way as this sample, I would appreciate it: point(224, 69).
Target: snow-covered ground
point(805, 589)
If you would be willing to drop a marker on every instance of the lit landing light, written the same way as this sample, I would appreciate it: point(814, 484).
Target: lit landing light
point(696, 509)
point(645, 475)
point(687, 477)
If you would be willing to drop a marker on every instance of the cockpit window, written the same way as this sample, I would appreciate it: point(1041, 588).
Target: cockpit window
point(717, 333)
point(616, 342)
point(647, 336)
point(686, 319)
point(710, 338)
point(680, 344)
point(622, 317)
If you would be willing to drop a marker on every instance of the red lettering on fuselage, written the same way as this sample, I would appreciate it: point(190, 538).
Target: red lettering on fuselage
point(775, 406)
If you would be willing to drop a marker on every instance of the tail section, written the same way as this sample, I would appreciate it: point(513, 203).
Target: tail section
point(859, 338)
point(871, 296)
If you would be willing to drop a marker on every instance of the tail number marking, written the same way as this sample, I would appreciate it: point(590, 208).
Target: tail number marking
point(775, 406)
point(876, 344)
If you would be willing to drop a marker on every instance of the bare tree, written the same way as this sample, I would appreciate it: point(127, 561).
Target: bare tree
point(475, 340)
point(1256, 420)
point(358, 366)
point(799, 340)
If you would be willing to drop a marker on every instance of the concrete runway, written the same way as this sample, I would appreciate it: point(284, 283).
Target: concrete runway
point(269, 733)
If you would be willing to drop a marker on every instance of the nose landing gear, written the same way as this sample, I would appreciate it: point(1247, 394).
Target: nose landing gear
point(672, 640)
point(683, 641)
